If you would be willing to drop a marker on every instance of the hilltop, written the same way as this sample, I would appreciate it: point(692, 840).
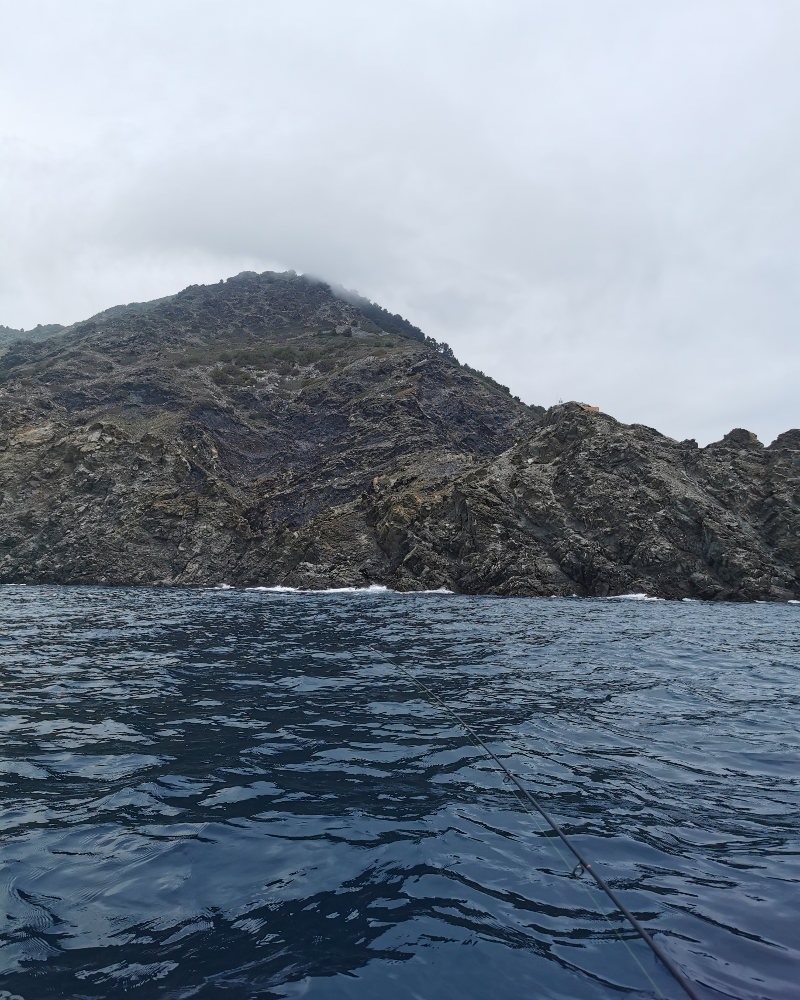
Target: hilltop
point(272, 429)
point(8, 335)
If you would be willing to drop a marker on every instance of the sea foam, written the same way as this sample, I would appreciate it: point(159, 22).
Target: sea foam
point(633, 597)
point(373, 588)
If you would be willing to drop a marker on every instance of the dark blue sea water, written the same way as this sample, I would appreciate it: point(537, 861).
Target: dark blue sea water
point(233, 794)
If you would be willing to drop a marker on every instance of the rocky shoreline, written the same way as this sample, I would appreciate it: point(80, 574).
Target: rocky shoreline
point(270, 431)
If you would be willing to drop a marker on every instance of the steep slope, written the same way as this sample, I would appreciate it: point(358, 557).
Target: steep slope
point(178, 441)
point(589, 506)
point(273, 430)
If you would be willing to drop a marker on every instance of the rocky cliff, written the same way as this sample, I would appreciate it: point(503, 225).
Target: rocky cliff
point(273, 430)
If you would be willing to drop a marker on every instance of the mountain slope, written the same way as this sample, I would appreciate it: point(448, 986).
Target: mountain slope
point(8, 335)
point(589, 506)
point(273, 430)
point(215, 421)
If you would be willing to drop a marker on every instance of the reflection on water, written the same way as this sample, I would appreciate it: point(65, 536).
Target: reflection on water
point(225, 793)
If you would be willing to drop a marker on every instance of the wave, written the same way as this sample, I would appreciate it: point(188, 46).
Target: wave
point(373, 588)
point(633, 597)
point(379, 588)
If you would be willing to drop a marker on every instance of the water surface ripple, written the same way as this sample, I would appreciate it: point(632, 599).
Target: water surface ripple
point(240, 794)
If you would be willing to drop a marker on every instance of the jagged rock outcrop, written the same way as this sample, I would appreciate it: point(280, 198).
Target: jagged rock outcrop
point(587, 505)
point(271, 430)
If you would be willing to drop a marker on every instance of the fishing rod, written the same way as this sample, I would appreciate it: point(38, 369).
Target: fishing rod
point(583, 865)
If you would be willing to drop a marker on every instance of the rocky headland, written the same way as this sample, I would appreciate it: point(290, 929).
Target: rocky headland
point(274, 430)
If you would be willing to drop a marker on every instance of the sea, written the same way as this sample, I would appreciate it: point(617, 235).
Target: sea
point(229, 793)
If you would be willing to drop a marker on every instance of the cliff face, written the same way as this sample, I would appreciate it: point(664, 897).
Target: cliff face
point(268, 431)
point(590, 506)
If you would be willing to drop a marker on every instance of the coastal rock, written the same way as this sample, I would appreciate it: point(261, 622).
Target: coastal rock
point(274, 430)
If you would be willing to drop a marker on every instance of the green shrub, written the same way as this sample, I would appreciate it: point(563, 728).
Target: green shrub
point(232, 375)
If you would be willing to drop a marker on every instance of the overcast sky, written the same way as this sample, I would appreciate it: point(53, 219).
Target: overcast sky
point(594, 200)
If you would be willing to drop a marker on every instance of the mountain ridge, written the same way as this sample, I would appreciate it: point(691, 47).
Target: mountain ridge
point(266, 430)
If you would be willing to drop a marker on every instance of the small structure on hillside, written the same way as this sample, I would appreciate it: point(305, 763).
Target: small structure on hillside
point(594, 409)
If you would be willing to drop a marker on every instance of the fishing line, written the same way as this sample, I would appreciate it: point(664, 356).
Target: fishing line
point(582, 864)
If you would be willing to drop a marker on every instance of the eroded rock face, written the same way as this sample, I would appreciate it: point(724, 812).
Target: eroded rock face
point(267, 431)
point(590, 506)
